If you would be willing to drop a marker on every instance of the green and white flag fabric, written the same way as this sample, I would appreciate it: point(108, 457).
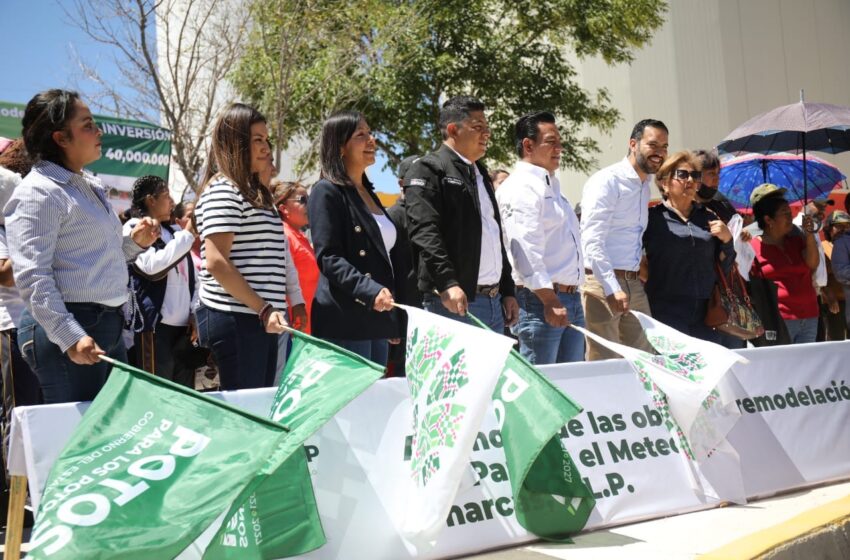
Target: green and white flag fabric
point(452, 370)
point(280, 519)
point(550, 498)
point(684, 380)
point(150, 470)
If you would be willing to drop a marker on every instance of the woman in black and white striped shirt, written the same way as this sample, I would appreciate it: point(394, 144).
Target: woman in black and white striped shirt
point(247, 272)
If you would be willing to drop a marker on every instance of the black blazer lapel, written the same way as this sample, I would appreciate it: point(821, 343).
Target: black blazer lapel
point(361, 216)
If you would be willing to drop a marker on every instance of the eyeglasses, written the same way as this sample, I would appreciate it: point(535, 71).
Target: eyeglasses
point(300, 198)
point(683, 174)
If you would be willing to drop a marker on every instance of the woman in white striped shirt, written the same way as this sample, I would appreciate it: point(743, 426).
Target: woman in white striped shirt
point(68, 253)
point(247, 272)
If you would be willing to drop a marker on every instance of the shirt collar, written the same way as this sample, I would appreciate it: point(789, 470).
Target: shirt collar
point(62, 175)
point(535, 170)
point(466, 161)
point(629, 172)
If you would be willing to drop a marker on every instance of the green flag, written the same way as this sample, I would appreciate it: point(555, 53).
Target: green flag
point(150, 470)
point(280, 519)
point(550, 499)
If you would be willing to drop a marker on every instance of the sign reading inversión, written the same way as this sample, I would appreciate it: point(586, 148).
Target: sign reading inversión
point(130, 150)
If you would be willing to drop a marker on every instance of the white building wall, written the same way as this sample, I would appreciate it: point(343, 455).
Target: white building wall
point(716, 63)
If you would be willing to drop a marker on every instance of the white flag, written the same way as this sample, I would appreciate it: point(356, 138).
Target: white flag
point(452, 370)
point(683, 380)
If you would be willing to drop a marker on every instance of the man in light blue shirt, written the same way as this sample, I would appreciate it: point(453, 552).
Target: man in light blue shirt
point(542, 236)
point(614, 216)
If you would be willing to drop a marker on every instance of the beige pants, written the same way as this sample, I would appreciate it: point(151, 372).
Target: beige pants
point(621, 328)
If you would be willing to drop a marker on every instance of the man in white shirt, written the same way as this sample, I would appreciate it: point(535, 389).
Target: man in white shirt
point(542, 234)
point(614, 215)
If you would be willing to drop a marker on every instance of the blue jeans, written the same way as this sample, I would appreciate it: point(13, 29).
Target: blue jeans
point(802, 331)
point(374, 350)
point(541, 343)
point(246, 355)
point(61, 379)
point(488, 310)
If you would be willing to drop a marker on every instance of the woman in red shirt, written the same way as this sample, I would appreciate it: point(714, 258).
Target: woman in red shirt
point(788, 257)
point(291, 202)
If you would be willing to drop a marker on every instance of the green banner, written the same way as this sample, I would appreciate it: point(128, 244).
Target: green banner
point(150, 470)
point(130, 149)
point(280, 519)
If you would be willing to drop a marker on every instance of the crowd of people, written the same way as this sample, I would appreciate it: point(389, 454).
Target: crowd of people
point(221, 279)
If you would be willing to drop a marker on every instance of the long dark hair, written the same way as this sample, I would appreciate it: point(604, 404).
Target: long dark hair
point(230, 154)
point(336, 131)
point(47, 112)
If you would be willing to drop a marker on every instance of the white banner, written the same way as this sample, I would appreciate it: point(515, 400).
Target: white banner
point(794, 400)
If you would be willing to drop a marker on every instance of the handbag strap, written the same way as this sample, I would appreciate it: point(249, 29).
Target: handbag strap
point(722, 277)
point(733, 273)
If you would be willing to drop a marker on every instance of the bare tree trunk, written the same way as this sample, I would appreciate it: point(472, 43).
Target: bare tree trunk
point(176, 56)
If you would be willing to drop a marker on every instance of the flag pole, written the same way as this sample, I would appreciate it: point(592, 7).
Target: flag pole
point(15, 517)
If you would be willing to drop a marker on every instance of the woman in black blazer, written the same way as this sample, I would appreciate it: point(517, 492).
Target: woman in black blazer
point(363, 256)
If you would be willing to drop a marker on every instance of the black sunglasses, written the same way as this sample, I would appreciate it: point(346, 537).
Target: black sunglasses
point(683, 174)
point(300, 198)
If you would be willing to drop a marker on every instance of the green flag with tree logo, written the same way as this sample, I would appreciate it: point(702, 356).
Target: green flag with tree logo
point(280, 519)
point(151, 470)
point(550, 499)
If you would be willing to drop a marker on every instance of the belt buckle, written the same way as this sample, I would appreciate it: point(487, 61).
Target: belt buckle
point(564, 288)
point(490, 292)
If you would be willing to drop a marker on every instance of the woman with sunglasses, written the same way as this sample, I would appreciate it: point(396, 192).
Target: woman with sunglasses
point(68, 252)
point(291, 203)
point(360, 251)
point(683, 241)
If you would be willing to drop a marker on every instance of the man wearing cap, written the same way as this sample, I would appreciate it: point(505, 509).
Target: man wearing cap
point(542, 233)
point(455, 226)
point(615, 205)
point(837, 251)
point(827, 304)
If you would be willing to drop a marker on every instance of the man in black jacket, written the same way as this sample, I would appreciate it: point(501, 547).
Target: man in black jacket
point(454, 223)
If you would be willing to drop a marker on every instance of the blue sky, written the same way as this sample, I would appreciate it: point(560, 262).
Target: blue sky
point(42, 49)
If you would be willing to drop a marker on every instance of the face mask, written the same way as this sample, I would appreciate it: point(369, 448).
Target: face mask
point(706, 193)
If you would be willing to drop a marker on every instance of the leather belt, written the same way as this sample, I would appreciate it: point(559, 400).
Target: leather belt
point(564, 289)
point(627, 274)
point(489, 290)
point(559, 288)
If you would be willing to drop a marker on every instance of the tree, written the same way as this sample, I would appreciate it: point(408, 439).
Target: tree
point(513, 54)
point(306, 58)
point(175, 55)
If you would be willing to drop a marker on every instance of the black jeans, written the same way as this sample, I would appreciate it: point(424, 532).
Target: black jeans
point(61, 379)
point(685, 315)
